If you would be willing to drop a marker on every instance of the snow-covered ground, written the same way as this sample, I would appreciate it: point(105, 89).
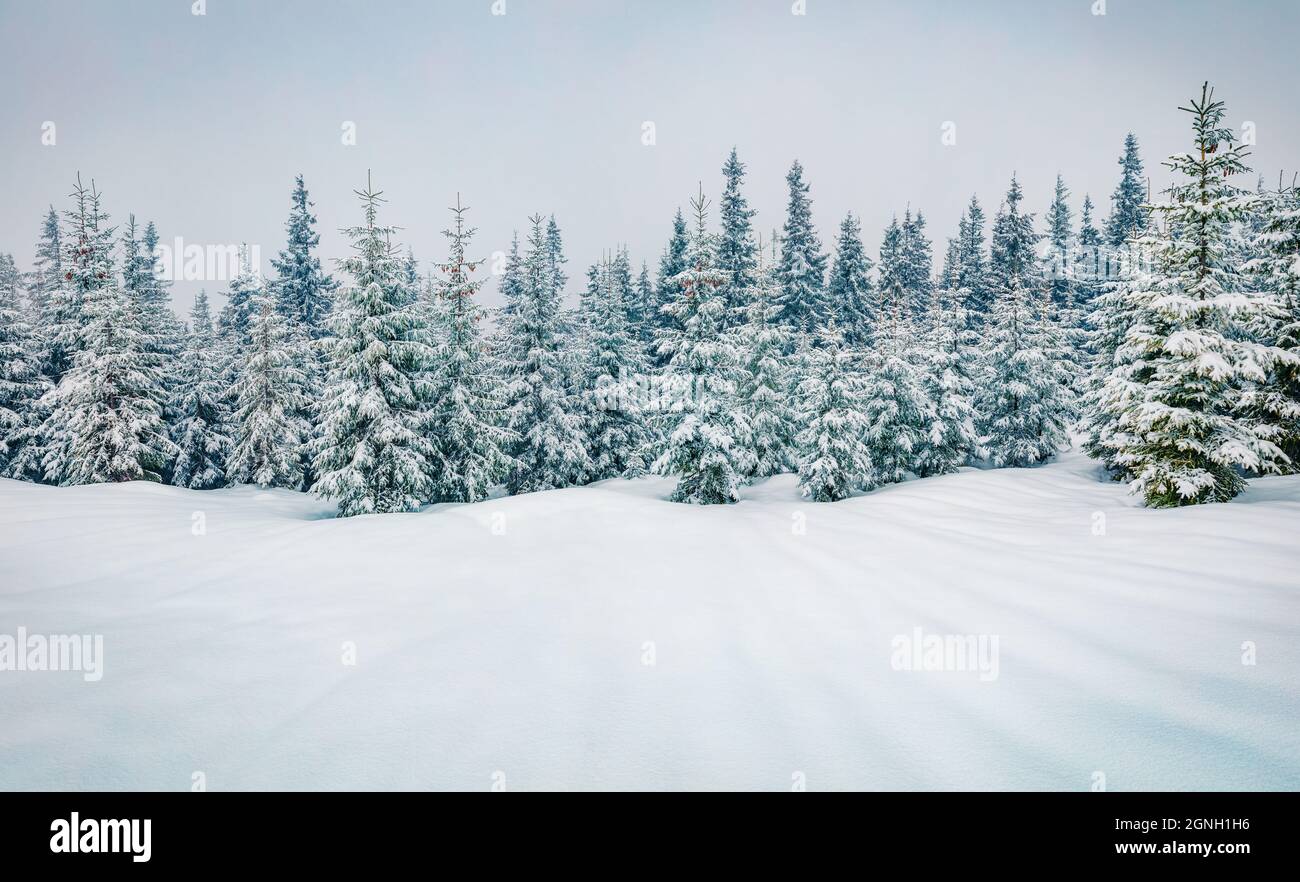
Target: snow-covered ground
point(601, 637)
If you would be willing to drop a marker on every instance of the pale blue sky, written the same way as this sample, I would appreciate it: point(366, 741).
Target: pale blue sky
point(200, 123)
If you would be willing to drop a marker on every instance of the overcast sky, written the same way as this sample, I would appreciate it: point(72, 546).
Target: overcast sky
point(200, 123)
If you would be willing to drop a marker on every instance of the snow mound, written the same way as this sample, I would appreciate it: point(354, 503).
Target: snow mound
point(602, 637)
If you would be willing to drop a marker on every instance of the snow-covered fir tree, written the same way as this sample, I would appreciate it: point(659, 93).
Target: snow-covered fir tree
point(303, 291)
point(671, 263)
point(550, 448)
point(105, 423)
point(1058, 262)
point(201, 430)
point(268, 393)
point(1171, 406)
point(1276, 272)
point(375, 453)
point(641, 315)
point(1088, 280)
point(764, 383)
point(802, 270)
point(11, 281)
point(467, 399)
point(949, 366)
point(736, 251)
point(618, 435)
point(1128, 216)
point(43, 281)
point(951, 269)
point(706, 439)
point(151, 300)
point(555, 258)
point(892, 266)
point(917, 263)
point(1024, 401)
point(63, 322)
point(850, 290)
point(833, 456)
point(21, 381)
point(973, 275)
point(898, 411)
point(237, 315)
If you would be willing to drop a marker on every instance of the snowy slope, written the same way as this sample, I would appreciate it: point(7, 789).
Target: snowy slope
point(520, 651)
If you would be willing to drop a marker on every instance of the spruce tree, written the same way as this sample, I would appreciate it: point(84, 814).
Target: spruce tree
point(202, 428)
point(642, 315)
point(618, 436)
point(268, 394)
point(1025, 402)
point(467, 401)
point(850, 290)
point(671, 264)
point(764, 385)
point(1173, 398)
point(63, 319)
point(916, 254)
point(374, 453)
point(892, 265)
point(705, 443)
point(973, 277)
point(895, 405)
point(21, 382)
point(151, 302)
point(105, 423)
point(802, 270)
point(237, 315)
point(737, 252)
point(302, 290)
point(1276, 271)
point(47, 271)
point(1060, 241)
point(833, 456)
point(550, 448)
point(949, 274)
point(1088, 281)
point(948, 366)
point(1128, 218)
